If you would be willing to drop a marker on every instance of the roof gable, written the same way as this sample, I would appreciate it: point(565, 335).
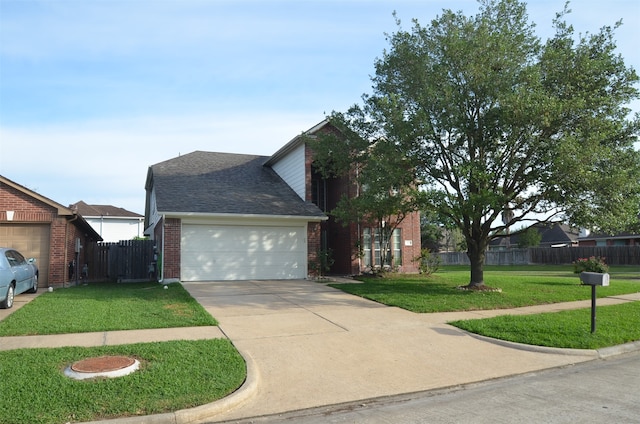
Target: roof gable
point(103, 211)
point(224, 183)
point(295, 142)
point(61, 210)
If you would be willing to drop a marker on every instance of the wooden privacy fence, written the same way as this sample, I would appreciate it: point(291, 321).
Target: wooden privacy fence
point(614, 255)
point(492, 257)
point(126, 260)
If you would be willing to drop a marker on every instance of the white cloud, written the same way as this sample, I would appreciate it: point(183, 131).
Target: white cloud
point(106, 162)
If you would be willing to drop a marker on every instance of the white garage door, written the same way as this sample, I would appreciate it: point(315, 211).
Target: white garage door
point(221, 252)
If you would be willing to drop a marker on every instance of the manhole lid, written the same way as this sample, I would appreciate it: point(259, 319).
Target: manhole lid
point(102, 366)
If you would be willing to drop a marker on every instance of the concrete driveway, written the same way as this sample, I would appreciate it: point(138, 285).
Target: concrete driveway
point(311, 345)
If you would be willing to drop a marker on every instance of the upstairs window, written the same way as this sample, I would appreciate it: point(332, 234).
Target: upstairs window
point(319, 191)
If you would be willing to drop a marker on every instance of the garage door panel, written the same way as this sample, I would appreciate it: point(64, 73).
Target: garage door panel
point(32, 240)
point(242, 252)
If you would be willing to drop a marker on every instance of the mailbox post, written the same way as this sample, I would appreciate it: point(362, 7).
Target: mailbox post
point(594, 279)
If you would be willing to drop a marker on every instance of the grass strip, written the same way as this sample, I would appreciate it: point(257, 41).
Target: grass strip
point(107, 307)
point(174, 375)
point(615, 325)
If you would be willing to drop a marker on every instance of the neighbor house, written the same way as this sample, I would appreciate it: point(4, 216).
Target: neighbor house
point(222, 216)
point(40, 228)
point(110, 222)
point(552, 234)
point(601, 239)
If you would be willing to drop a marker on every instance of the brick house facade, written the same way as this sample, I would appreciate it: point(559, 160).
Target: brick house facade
point(620, 239)
point(348, 242)
point(41, 228)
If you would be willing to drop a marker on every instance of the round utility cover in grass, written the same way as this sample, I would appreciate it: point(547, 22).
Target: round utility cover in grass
point(102, 366)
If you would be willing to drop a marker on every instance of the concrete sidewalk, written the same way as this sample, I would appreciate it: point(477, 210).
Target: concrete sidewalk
point(111, 338)
point(307, 345)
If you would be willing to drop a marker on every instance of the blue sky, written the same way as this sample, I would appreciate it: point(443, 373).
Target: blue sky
point(93, 92)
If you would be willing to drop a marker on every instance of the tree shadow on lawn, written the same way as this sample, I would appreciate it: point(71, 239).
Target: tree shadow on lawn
point(109, 291)
point(401, 288)
point(557, 283)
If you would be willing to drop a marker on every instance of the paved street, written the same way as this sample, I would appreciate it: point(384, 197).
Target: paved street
point(599, 391)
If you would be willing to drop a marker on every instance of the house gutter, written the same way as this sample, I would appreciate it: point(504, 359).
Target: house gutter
point(308, 218)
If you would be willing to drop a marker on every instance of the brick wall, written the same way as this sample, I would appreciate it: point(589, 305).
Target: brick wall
point(410, 232)
point(25, 207)
point(171, 254)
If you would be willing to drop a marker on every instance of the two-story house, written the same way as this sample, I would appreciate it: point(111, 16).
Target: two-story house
point(221, 216)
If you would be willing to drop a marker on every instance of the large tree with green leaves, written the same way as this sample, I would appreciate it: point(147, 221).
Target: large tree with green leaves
point(500, 127)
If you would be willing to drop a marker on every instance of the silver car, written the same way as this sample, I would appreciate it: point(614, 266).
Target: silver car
point(17, 275)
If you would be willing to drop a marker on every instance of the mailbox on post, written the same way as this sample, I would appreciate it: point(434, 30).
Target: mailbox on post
point(594, 279)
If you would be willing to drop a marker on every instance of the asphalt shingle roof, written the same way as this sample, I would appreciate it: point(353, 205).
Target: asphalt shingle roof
point(102, 210)
point(209, 182)
point(552, 233)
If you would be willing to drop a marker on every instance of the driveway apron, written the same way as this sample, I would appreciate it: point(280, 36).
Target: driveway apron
point(313, 345)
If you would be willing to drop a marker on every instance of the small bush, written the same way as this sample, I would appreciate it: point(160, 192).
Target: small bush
point(590, 264)
point(428, 262)
point(324, 262)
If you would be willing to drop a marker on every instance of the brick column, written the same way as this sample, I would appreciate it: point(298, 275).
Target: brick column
point(171, 253)
point(313, 247)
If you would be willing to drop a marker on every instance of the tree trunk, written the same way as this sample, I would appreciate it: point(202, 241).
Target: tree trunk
point(386, 256)
point(476, 257)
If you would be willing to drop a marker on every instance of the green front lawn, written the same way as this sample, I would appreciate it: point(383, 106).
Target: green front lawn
point(107, 307)
point(520, 285)
point(174, 375)
point(615, 325)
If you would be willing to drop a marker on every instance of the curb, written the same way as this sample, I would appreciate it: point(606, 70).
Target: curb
point(248, 389)
point(607, 352)
point(595, 353)
point(199, 413)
